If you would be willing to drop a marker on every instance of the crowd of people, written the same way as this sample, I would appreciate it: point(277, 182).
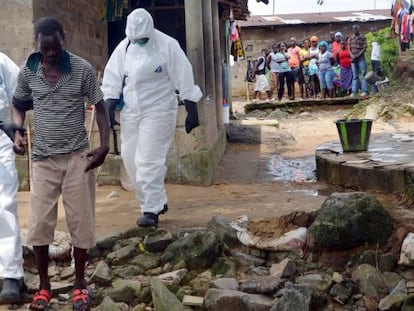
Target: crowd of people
point(317, 68)
point(54, 84)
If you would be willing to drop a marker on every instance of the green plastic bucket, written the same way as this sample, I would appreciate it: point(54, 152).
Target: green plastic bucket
point(354, 133)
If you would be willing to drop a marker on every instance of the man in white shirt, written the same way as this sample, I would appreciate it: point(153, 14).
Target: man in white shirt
point(375, 59)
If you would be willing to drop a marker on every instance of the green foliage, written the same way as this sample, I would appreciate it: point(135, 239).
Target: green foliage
point(389, 49)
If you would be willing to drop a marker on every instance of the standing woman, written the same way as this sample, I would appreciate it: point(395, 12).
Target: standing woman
point(282, 58)
point(274, 69)
point(344, 60)
point(305, 60)
point(325, 61)
point(313, 66)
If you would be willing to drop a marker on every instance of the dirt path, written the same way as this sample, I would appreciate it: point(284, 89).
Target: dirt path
point(244, 183)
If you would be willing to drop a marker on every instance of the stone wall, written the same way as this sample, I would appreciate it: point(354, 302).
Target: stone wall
point(86, 34)
point(256, 38)
point(16, 36)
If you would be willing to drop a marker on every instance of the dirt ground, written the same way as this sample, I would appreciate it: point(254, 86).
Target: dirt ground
point(243, 183)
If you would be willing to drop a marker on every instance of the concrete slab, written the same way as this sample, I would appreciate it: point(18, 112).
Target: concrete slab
point(387, 165)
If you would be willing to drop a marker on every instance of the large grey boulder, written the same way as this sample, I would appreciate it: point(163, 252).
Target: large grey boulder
point(346, 220)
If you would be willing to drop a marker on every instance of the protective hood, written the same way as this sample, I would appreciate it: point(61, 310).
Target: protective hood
point(139, 25)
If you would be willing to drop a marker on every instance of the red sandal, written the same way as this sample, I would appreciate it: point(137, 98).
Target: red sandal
point(81, 299)
point(40, 300)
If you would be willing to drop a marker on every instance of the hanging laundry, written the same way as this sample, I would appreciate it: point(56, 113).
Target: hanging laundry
point(237, 48)
point(115, 10)
point(234, 34)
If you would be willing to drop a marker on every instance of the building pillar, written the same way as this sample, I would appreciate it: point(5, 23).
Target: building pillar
point(217, 62)
point(195, 40)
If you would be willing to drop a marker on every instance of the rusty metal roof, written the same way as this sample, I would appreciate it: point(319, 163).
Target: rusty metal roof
point(239, 7)
point(315, 18)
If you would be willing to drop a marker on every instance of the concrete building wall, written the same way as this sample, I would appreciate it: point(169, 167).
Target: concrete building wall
point(86, 34)
point(16, 35)
point(256, 38)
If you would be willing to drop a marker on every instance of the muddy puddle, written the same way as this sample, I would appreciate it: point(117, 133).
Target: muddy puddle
point(292, 169)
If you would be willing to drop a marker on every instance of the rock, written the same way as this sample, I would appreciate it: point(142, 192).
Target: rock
point(408, 304)
point(392, 302)
point(147, 261)
point(343, 291)
point(337, 277)
point(67, 272)
point(198, 250)
point(392, 279)
point(108, 242)
point(139, 232)
point(346, 220)
point(174, 277)
point(201, 283)
point(317, 281)
point(158, 241)
point(266, 285)
point(387, 262)
point(222, 229)
point(248, 260)
point(228, 300)
point(102, 274)
point(126, 272)
point(122, 255)
point(108, 304)
point(369, 257)
point(125, 290)
point(225, 283)
point(182, 232)
point(371, 281)
point(224, 266)
point(294, 297)
point(277, 114)
point(163, 299)
point(283, 269)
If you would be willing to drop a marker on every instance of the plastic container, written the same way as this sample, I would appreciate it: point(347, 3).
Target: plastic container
point(226, 112)
point(354, 134)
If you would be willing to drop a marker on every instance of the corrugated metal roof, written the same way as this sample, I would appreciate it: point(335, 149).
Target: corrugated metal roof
point(316, 18)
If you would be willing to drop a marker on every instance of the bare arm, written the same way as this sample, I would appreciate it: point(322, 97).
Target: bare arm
point(98, 155)
point(18, 117)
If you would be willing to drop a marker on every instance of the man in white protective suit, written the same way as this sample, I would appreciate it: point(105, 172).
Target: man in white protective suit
point(11, 258)
point(149, 68)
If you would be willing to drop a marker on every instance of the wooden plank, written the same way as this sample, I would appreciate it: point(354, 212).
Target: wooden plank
point(194, 301)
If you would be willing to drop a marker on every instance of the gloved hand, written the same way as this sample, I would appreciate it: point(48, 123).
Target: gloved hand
point(110, 107)
point(10, 129)
point(191, 121)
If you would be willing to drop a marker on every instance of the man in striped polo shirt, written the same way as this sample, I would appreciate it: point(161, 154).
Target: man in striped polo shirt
point(58, 81)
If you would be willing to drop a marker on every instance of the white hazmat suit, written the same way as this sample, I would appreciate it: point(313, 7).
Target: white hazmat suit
point(11, 260)
point(152, 72)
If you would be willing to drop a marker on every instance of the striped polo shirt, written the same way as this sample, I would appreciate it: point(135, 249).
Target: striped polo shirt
point(59, 110)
